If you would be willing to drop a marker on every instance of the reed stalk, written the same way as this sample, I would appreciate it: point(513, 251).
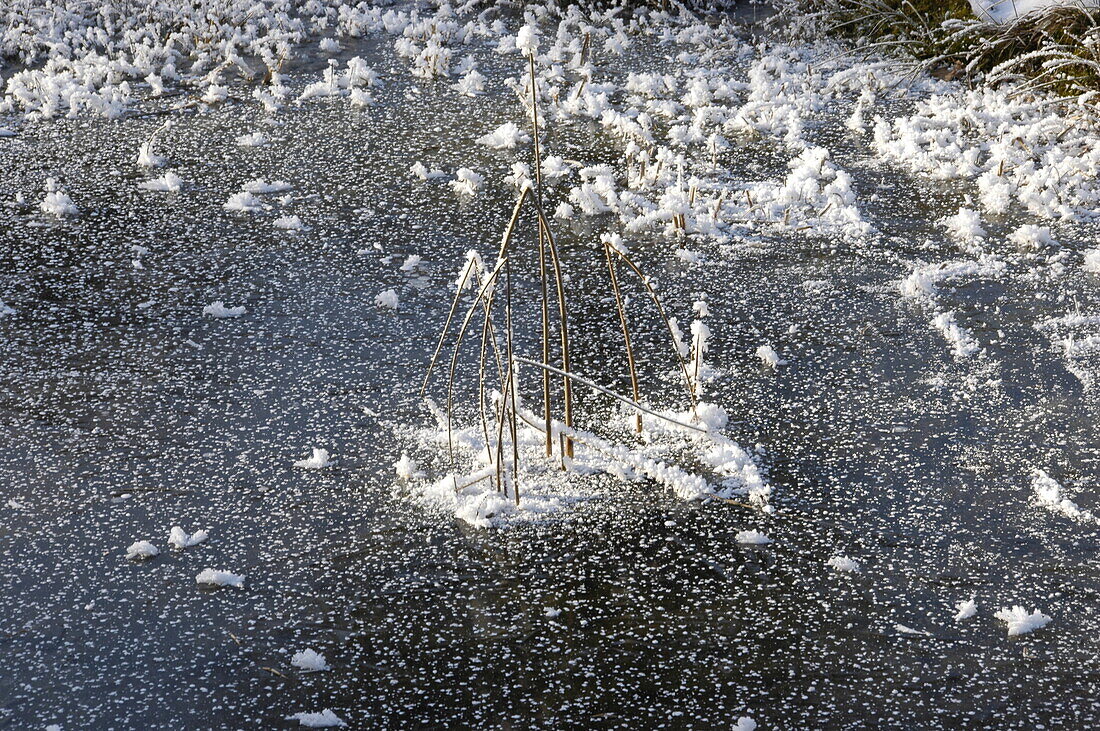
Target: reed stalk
point(542, 262)
point(626, 332)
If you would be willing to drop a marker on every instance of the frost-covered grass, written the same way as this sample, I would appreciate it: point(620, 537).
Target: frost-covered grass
point(1053, 49)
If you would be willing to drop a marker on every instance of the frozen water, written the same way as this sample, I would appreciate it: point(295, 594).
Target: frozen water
point(126, 411)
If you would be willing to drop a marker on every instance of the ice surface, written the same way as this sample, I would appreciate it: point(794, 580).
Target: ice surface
point(781, 184)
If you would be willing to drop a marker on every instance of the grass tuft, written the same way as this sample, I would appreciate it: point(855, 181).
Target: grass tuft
point(1054, 50)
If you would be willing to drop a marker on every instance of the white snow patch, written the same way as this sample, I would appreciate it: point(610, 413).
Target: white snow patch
point(167, 183)
point(467, 182)
point(288, 223)
point(965, 226)
point(966, 609)
point(386, 299)
point(219, 310)
point(1020, 622)
point(504, 137)
point(309, 660)
point(961, 340)
point(769, 357)
point(57, 202)
point(243, 202)
point(217, 577)
point(1049, 494)
point(843, 563)
point(753, 538)
point(318, 461)
point(324, 719)
point(407, 469)
point(1030, 237)
point(141, 550)
point(255, 139)
point(1092, 261)
point(179, 538)
point(261, 186)
point(924, 280)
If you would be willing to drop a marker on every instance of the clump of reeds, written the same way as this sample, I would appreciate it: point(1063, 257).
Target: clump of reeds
point(1054, 50)
point(501, 412)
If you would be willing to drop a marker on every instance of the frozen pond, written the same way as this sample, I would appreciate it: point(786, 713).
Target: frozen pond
point(884, 436)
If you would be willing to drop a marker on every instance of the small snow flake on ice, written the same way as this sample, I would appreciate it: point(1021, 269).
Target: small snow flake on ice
point(472, 84)
point(1092, 261)
point(745, 724)
point(843, 563)
point(5, 310)
point(407, 469)
point(318, 461)
point(962, 341)
point(1030, 237)
point(57, 202)
point(906, 630)
point(753, 538)
point(215, 94)
point(243, 202)
point(362, 98)
point(1049, 494)
point(289, 223)
point(1020, 622)
point(386, 299)
point(550, 612)
point(769, 357)
point(147, 158)
point(309, 660)
point(256, 139)
point(965, 226)
point(688, 256)
point(217, 577)
point(141, 550)
point(504, 137)
point(261, 186)
point(411, 262)
point(168, 183)
point(421, 171)
point(219, 310)
point(179, 538)
point(467, 182)
point(324, 719)
point(966, 609)
point(555, 168)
